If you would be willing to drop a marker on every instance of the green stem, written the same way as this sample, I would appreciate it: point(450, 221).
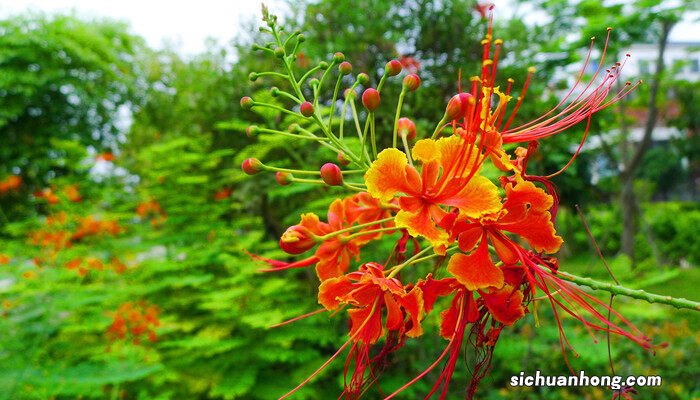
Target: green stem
point(438, 127)
point(362, 233)
point(283, 133)
point(373, 138)
point(396, 117)
point(335, 98)
point(633, 293)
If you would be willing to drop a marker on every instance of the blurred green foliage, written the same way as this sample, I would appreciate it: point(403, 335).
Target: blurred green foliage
point(187, 255)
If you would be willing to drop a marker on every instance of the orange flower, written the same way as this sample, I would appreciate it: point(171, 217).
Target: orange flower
point(134, 320)
point(336, 251)
point(106, 156)
point(4, 259)
point(368, 291)
point(48, 195)
point(222, 194)
point(12, 182)
point(448, 178)
point(72, 193)
point(524, 213)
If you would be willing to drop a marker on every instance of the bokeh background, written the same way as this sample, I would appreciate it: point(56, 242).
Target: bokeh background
point(124, 216)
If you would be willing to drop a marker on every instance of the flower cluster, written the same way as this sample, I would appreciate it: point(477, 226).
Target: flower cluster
point(134, 321)
point(496, 236)
point(10, 183)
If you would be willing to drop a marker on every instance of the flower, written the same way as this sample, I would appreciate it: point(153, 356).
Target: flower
point(339, 240)
point(525, 213)
point(449, 177)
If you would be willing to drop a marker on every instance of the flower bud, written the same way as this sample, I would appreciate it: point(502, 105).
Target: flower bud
point(350, 93)
point(345, 68)
point(393, 68)
point(407, 128)
point(252, 166)
point(342, 160)
point(247, 103)
point(331, 175)
point(363, 78)
point(411, 82)
point(293, 128)
point(274, 91)
point(301, 38)
point(296, 240)
point(253, 76)
point(370, 99)
point(338, 57)
point(306, 109)
point(313, 82)
point(279, 52)
point(458, 106)
point(251, 131)
point(284, 178)
point(323, 65)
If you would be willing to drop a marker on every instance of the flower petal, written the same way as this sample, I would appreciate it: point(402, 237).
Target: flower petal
point(421, 224)
point(476, 270)
point(505, 304)
point(390, 174)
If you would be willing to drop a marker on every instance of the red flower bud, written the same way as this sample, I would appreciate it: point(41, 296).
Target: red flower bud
point(349, 92)
point(370, 99)
point(252, 166)
point(331, 175)
point(393, 68)
point(345, 68)
point(407, 128)
point(284, 178)
point(342, 160)
point(306, 109)
point(296, 240)
point(411, 82)
point(338, 57)
point(458, 106)
point(246, 103)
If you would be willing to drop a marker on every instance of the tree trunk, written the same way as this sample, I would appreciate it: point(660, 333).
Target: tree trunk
point(628, 199)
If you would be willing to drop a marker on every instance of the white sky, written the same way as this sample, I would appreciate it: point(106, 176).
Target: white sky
point(189, 23)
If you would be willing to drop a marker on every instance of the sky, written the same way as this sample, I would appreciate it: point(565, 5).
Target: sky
point(189, 23)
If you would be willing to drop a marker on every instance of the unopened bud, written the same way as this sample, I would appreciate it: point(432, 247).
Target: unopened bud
point(279, 52)
point(342, 160)
point(411, 82)
point(349, 93)
point(301, 38)
point(252, 166)
point(406, 127)
point(284, 178)
point(253, 76)
point(393, 68)
point(363, 78)
point(296, 240)
point(247, 103)
point(331, 175)
point(306, 109)
point(370, 99)
point(338, 57)
point(274, 91)
point(323, 65)
point(345, 68)
point(458, 106)
point(251, 131)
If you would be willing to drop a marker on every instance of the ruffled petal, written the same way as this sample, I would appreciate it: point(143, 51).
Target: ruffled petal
point(476, 270)
point(390, 174)
point(365, 324)
point(476, 198)
point(421, 224)
point(505, 304)
point(332, 292)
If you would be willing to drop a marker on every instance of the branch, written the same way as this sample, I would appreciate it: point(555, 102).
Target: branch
point(636, 294)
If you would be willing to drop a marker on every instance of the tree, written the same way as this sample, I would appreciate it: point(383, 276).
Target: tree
point(62, 78)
